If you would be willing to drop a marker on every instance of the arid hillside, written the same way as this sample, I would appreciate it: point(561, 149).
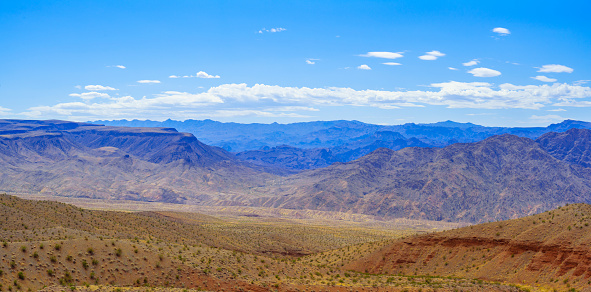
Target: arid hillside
point(145, 164)
point(502, 177)
point(57, 247)
point(550, 250)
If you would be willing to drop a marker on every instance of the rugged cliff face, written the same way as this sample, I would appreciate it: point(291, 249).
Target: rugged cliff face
point(84, 160)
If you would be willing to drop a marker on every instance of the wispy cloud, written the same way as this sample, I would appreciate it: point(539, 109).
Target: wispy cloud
point(484, 72)
point(555, 68)
point(272, 30)
point(90, 95)
point(311, 61)
point(148, 81)
point(98, 88)
point(557, 110)
point(430, 56)
point(4, 110)
point(501, 31)
point(547, 118)
point(118, 66)
point(452, 68)
point(392, 64)
point(471, 63)
point(544, 79)
point(200, 74)
point(384, 55)
point(363, 67)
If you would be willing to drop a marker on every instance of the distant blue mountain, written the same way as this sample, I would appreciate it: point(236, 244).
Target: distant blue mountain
point(321, 143)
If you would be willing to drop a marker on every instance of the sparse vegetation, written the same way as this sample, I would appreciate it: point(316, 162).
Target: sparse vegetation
point(84, 257)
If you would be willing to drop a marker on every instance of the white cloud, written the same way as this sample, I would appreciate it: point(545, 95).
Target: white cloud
point(148, 81)
point(452, 68)
point(581, 82)
point(363, 67)
point(90, 95)
point(574, 103)
point(555, 68)
point(272, 30)
point(544, 79)
point(118, 66)
point(430, 56)
point(269, 100)
point(484, 72)
point(557, 110)
point(202, 74)
point(4, 110)
point(384, 55)
point(392, 64)
point(501, 31)
point(311, 61)
point(98, 87)
point(471, 63)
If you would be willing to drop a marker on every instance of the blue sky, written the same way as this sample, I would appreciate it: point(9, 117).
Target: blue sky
point(505, 63)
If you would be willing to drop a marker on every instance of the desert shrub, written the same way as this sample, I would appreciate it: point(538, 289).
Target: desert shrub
point(58, 246)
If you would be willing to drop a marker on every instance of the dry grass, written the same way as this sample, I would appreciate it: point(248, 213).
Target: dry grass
point(62, 246)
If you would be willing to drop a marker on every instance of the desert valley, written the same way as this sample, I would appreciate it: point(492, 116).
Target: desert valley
point(154, 208)
point(295, 146)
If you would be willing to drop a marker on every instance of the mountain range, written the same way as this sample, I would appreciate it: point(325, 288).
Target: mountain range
point(310, 145)
point(86, 160)
point(501, 177)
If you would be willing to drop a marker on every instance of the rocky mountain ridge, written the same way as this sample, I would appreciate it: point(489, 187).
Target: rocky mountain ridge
point(84, 160)
point(282, 146)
